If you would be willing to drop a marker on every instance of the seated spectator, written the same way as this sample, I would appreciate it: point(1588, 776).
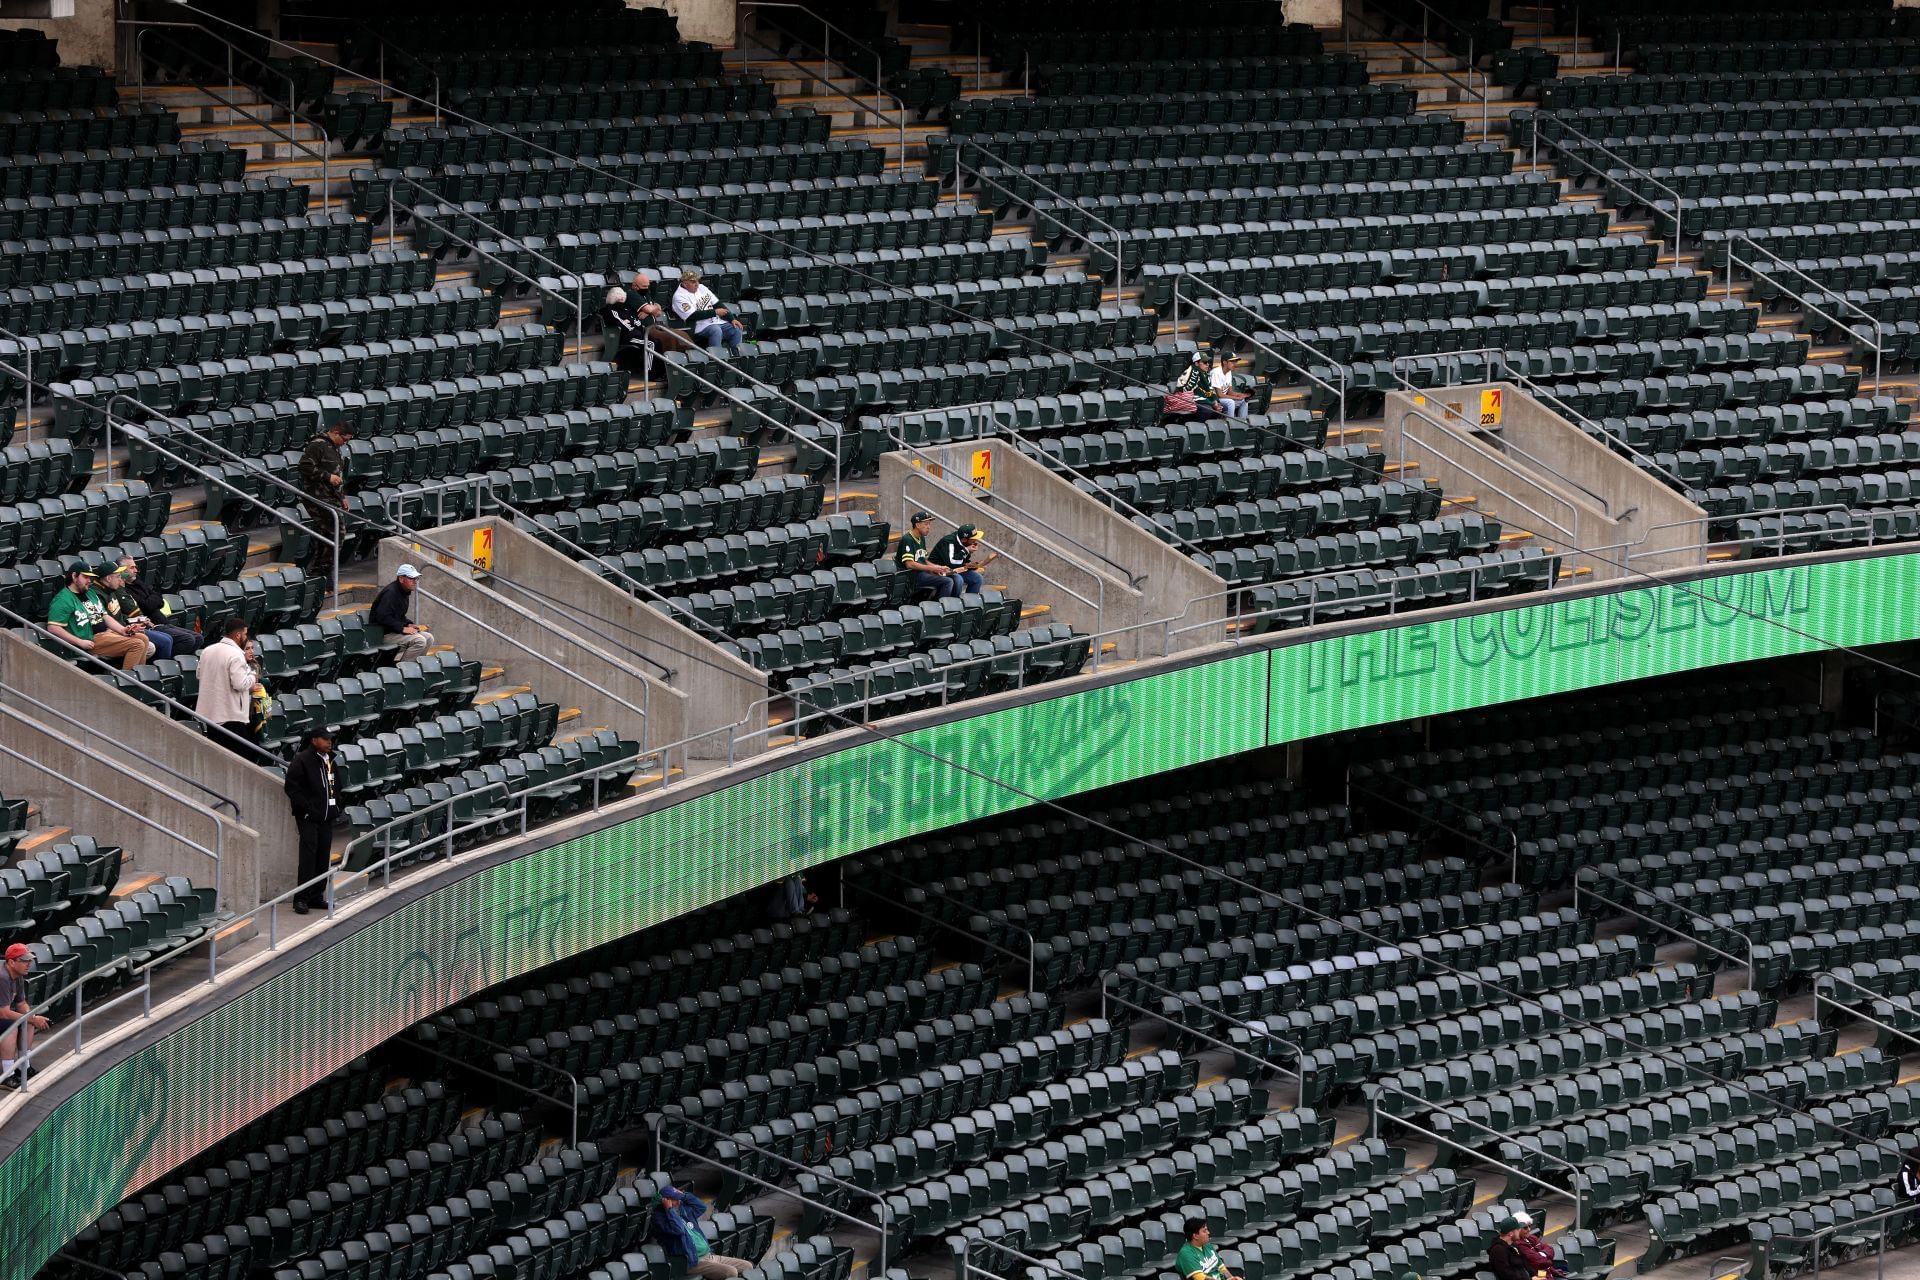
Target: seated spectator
point(79, 617)
point(663, 336)
point(389, 613)
point(112, 586)
point(18, 1022)
point(1504, 1258)
point(954, 553)
point(624, 324)
point(229, 685)
point(154, 608)
point(912, 556)
point(712, 323)
point(1190, 398)
point(1225, 398)
point(1197, 1258)
point(790, 898)
point(1536, 1249)
point(676, 1226)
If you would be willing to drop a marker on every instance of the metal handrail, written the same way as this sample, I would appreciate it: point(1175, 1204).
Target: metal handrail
point(26, 346)
point(1572, 535)
point(1878, 345)
point(646, 721)
point(1543, 392)
point(393, 178)
point(1097, 605)
point(139, 431)
point(1032, 956)
point(115, 676)
point(1484, 94)
point(1299, 1072)
point(960, 148)
point(1679, 201)
point(1577, 1194)
point(324, 156)
point(214, 854)
point(520, 1054)
point(899, 122)
point(1751, 961)
point(1014, 434)
point(1339, 368)
point(826, 48)
point(800, 442)
point(935, 474)
point(88, 730)
point(883, 1215)
point(1427, 14)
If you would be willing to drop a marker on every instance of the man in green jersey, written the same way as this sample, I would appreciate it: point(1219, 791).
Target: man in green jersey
point(1197, 1259)
point(912, 557)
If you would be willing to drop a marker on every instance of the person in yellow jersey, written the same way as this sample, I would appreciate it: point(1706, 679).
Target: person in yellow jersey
point(1198, 1259)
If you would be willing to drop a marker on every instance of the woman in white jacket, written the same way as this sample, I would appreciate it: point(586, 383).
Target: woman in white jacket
point(713, 324)
point(228, 673)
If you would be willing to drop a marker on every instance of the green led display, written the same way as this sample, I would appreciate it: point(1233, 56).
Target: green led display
point(150, 1113)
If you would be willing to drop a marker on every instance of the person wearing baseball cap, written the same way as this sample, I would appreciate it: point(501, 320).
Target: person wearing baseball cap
point(78, 616)
point(911, 556)
point(676, 1227)
point(21, 1023)
point(407, 638)
point(323, 479)
point(1504, 1258)
point(954, 553)
point(314, 796)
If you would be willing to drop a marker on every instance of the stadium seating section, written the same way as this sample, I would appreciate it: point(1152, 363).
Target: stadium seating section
point(933, 1060)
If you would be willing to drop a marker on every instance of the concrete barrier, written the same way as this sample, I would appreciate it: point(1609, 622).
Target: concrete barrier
point(1059, 546)
point(92, 775)
point(580, 640)
point(1532, 469)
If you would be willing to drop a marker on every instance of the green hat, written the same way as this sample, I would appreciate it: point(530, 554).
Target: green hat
point(1506, 1223)
point(107, 569)
point(967, 531)
point(79, 567)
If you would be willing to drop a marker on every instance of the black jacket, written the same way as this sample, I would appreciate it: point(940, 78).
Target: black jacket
point(389, 611)
point(307, 788)
point(321, 460)
point(151, 602)
point(1506, 1263)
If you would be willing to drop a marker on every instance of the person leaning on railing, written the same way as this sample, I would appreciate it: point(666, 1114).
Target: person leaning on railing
point(17, 1016)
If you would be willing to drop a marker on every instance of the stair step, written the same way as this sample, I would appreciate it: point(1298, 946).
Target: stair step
point(42, 839)
point(135, 885)
point(499, 694)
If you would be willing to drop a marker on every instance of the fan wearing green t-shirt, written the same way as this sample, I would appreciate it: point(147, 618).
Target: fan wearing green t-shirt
point(1197, 1259)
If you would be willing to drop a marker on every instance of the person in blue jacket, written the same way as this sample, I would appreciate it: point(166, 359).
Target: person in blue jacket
point(676, 1225)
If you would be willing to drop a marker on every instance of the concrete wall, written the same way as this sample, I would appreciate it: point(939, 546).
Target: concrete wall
point(582, 631)
point(708, 20)
point(1664, 527)
point(1466, 465)
point(87, 39)
point(1105, 572)
point(1315, 13)
point(260, 850)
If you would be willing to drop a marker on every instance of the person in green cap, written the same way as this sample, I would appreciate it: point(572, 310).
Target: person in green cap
point(109, 581)
point(1504, 1257)
point(1198, 1259)
point(78, 617)
point(911, 555)
point(954, 553)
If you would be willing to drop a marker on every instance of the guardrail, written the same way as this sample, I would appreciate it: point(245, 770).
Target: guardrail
point(1878, 343)
point(1339, 393)
point(962, 145)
